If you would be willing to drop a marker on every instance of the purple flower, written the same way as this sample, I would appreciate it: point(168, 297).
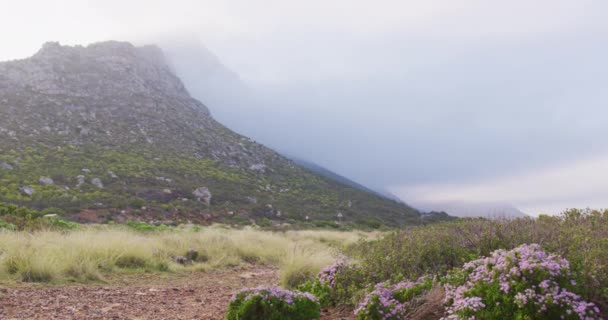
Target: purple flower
point(328, 274)
point(272, 292)
point(540, 274)
point(383, 300)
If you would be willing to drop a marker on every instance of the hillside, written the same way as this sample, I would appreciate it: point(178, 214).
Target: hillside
point(107, 132)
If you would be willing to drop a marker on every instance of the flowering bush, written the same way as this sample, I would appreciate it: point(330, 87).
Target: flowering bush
point(328, 275)
point(390, 302)
point(325, 284)
point(272, 303)
point(523, 283)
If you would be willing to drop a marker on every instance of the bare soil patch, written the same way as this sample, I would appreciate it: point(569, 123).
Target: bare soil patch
point(197, 295)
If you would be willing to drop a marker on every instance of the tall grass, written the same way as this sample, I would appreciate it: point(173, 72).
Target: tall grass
point(90, 253)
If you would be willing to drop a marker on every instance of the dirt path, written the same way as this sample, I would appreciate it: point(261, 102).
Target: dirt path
point(200, 295)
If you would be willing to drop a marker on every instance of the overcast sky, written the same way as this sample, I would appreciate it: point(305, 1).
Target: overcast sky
point(453, 100)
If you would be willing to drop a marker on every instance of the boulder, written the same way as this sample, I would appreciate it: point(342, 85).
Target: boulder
point(192, 255)
point(80, 179)
point(203, 195)
point(97, 182)
point(27, 190)
point(181, 260)
point(259, 167)
point(46, 180)
point(5, 166)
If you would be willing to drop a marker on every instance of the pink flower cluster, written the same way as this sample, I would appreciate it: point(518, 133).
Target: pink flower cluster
point(383, 301)
point(534, 273)
point(272, 292)
point(328, 275)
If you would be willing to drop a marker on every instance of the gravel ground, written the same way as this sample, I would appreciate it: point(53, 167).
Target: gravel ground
point(199, 295)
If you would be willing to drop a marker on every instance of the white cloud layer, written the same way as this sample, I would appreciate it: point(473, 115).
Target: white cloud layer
point(548, 190)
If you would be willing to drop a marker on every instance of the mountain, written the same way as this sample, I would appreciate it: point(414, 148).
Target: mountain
point(474, 209)
point(107, 132)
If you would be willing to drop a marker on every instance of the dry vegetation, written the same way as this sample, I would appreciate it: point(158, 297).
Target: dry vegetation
point(90, 252)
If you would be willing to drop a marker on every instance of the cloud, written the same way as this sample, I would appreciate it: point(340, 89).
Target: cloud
point(549, 190)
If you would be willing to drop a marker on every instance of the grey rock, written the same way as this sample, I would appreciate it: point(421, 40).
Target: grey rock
point(46, 180)
point(86, 170)
point(181, 260)
point(192, 255)
point(112, 175)
point(80, 179)
point(252, 200)
point(27, 190)
point(259, 167)
point(97, 182)
point(6, 166)
point(203, 195)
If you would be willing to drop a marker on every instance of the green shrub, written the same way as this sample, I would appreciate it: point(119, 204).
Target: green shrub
point(21, 218)
point(58, 224)
point(7, 226)
point(146, 227)
point(273, 303)
point(47, 211)
point(320, 290)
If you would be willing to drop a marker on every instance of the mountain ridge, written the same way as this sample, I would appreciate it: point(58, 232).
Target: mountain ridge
point(119, 137)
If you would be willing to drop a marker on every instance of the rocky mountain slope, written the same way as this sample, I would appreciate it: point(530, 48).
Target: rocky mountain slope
point(108, 132)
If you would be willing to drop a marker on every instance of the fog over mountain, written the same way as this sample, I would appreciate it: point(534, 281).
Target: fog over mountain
point(463, 101)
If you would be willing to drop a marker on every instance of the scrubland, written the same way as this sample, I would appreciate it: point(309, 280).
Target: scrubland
point(456, 270)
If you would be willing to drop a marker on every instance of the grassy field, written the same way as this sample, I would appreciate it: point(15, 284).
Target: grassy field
point(90, 252)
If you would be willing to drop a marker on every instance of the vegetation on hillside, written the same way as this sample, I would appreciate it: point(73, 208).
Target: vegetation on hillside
point(137, 184)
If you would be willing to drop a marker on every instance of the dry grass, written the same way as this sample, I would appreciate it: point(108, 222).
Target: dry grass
point(94, 251)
